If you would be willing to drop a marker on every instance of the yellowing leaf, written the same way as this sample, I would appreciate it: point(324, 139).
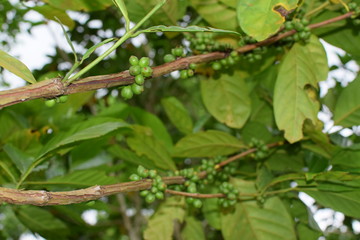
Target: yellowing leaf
point(295, 98)
point(16, 67)
point(260, 19)
point(161, 224)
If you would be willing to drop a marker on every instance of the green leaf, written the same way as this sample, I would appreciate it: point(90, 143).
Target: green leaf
point(251, 221)
point(89, 177)
point(347, 108)
point(227, 99)
point(80, 5)
point(193, 230)
point(211, 210)
point(16, 67)
point(347, 158)
point(68, 40)
point(52, 13)
point(121, 5)
point(163, 28)
point(168, 14)
point(144, 142)
point(345, 202)
point(161, 224)
point(42, 222)
point(93, 128)
point(20, 159)
point(295, 99)
point(260, 19)
point(207, 144)
point(131, 157)
point(177, 114)
point(96, 46)
point(159, 130)
point(216, 13)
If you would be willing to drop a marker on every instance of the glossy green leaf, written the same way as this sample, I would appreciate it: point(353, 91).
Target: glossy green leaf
point(21, 160)
point(43, 222)
point(16, 67)
point(51, 12)
point(260, 19)
point(150, 120)
point(90, 129)
point(207, 144)
point(84, 178)
point(227, 99)
point(347, 108)
point(352, 159)
point(131, 157)
point(193, 229)
point(161, 224)
point(121, 5)
point(251, 221)
point(80, 5)
point(168, 14)
point(177, 114)
point(345, 202)
point(216, 13)
point(295, 97)
point(144, 142)
point(163, 28)
point(93, 48)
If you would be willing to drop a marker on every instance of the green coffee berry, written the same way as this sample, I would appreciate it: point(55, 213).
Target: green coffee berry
point(126, 92)
point(184, 74)
point(146, 71)
point(144, 62)
point(134, 177)
point(63, 99)
point(139, 79)
point(197, 203)
point(192, 66)
point(190, 200)
point(144, 193)
point(137, 89)
point(159, 195)
point(216, 66)
point(177, 51)
point(190, 72)
point(154, 189)
point(135, 70)
point(152, 173)
point(134, 60)
point(169, 58)
point(161, 186)
point(150, 198)
point(50, 102)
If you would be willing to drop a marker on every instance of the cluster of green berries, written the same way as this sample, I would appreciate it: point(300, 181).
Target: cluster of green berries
point(204, 42)
point(254, 55)
point(191, 185)
point(262, 149)
point(231, 195)
point(158, 187)
point(302, 30)
point(356, 9)
point(226, 62)
point(140, 69)
point(52, 102)
point(175, 53)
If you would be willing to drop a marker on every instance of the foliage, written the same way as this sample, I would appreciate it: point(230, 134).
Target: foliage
point(219, 150)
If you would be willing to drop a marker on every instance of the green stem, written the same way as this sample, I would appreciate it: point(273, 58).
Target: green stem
point(28, 171)
point(100, 58)
point(127, 35)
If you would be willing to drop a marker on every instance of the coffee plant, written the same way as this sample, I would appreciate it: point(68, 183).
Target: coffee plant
point(182, 119)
